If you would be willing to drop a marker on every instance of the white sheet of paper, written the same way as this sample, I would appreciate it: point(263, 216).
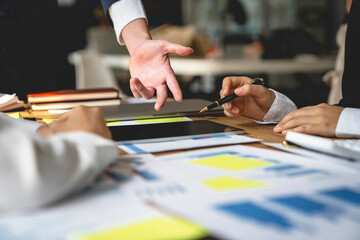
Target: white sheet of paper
point(6, 99)
point(186, 144)
point(317, 156)
point(229, 190)
point(113, 201)
point(304, 212)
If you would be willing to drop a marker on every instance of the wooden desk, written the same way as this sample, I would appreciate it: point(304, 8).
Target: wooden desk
point(252, 129)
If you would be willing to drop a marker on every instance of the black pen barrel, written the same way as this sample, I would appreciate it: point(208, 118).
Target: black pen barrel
point(227, 99)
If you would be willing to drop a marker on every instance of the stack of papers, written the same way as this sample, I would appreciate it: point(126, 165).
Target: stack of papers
point(9, 102)
point(234, 192)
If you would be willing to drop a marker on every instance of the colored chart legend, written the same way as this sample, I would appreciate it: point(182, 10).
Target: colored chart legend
point(232, 163)
point(225, 183)
point(151, 229)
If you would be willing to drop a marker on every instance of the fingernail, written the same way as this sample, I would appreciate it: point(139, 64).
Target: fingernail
point(277, 128)
point(284, 132)
point(239, 91)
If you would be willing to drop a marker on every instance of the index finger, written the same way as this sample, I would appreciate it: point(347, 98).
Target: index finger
point(161, 97)
point(231, 83)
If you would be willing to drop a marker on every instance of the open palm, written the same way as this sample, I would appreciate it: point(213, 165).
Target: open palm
point(151, 71)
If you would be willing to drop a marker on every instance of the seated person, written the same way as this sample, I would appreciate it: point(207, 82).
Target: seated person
point(266, 105)
point(263, 104)
point(40, 165)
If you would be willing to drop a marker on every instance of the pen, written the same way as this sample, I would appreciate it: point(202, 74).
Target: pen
point(255, 81)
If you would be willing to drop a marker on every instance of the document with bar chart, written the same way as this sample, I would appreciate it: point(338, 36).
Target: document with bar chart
point(241, 192)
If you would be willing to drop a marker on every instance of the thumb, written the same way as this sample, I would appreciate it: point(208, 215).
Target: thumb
point(178, 49)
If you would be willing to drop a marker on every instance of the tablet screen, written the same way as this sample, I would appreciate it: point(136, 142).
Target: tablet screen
point(170, 131)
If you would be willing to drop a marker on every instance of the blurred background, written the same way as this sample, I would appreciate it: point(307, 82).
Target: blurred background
point(290, 43)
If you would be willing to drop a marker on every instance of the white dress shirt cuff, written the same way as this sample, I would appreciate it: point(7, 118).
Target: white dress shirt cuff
point(348, 124)
point(281, 106)
point(123, 12)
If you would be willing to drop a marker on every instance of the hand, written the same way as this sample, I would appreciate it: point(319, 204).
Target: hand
point(44, 131)
point(150, 65)
point(150, 70)
point(320, 120)
point(254, 101)
point(82, 119)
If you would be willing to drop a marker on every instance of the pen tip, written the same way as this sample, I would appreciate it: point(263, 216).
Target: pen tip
point(204, 110)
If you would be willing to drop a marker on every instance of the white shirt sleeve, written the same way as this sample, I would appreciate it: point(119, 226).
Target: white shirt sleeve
point(35, 171)
point(348, 125)
point(123, 12)
point(281, 106)
point(29, 126)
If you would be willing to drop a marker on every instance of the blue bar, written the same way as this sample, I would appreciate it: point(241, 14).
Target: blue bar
point(282, 167)
point(134, 148)
point(304, 172)
point(212, 137)
point(257, 157)
point(249, 156)
point(253, 212)
point(344, 194)
point(117, 176)
point(148, 175)
point(138, 163)
point(307, 206)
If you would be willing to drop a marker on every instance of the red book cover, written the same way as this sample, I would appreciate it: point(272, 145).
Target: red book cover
point(73, 95)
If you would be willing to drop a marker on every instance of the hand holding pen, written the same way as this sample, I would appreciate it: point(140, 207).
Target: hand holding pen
point(228, 98)
point(253, 100)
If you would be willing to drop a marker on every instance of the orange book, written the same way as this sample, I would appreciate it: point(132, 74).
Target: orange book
point(73, 95)
point(69, 105)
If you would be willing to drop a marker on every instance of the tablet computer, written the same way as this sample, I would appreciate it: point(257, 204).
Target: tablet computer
point(161, 132)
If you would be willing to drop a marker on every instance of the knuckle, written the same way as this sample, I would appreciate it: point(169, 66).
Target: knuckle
point(97, 109)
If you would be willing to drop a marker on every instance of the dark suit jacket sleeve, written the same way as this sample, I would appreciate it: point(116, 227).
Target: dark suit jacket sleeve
point(351, 77)
point(106, 5)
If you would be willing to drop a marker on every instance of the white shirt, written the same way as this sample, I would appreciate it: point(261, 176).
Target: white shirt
point(348, 125)
point(123, 12)
point(36, 171)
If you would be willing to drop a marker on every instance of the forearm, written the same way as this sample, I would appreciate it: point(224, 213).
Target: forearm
point(37, 172)
point(134, 34)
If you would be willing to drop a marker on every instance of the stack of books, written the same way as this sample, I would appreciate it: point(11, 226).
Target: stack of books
point(10, 102)
point(66, 99)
